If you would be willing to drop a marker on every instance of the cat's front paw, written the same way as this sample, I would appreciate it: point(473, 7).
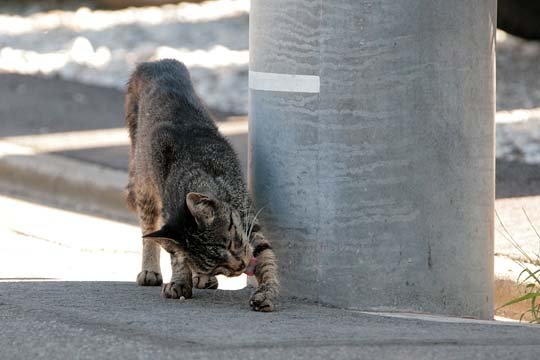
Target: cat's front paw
point(201, 281)
point(264, 298)
point(176, 290)
point(149, 278)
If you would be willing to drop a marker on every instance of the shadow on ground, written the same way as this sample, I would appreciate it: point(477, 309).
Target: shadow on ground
point(517, 179)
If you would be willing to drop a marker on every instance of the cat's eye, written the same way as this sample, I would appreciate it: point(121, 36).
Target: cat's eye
point(230, 221)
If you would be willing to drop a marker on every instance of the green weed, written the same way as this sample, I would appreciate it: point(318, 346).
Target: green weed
point(528, 277)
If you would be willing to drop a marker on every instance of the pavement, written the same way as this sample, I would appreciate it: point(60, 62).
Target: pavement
point(67, 291)
point(117, 320)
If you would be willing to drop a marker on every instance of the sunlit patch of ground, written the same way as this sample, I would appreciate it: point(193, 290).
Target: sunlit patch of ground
point(518, 98)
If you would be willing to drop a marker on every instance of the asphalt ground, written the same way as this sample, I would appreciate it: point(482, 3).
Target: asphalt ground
point(118, 320)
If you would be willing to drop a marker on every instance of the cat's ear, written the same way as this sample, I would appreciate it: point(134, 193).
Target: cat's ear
point(168, 239)
point(202, 207)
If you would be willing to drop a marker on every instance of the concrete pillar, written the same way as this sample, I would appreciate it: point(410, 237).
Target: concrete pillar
point(372, 148)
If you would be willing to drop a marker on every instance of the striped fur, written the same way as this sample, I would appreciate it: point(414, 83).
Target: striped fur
point(186, 185)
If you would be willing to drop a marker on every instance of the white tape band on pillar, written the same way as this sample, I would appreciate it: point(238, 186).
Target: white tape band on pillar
point(284, 82)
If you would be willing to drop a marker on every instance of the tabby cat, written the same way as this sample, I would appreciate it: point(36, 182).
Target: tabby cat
point(186, 185)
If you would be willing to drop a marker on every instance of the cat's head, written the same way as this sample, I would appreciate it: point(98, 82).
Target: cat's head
point(217, 241)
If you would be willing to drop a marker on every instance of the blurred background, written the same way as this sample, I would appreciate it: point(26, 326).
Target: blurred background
point(86, 41)
point(63, 149)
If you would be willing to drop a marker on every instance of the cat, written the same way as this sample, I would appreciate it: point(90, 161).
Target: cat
point(187, 188)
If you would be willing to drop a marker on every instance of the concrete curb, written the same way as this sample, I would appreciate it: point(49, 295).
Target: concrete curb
point(58, 175)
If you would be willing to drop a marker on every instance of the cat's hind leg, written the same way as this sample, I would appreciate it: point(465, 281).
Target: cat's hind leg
point(150, 274)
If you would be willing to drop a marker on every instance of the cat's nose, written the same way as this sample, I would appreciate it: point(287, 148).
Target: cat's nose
point(242, 266)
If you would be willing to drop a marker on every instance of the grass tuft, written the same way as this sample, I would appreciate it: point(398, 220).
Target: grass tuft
point(527, 277)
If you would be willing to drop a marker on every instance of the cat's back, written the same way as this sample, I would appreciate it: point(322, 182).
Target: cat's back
point(171, 124)
point(164, 95)
point(168, 111)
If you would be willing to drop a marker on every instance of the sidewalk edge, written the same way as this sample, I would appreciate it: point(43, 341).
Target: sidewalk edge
point(62, 176)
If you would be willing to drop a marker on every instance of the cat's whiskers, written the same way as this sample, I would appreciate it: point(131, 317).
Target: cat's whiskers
point(253, 221)
point(245, 219)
